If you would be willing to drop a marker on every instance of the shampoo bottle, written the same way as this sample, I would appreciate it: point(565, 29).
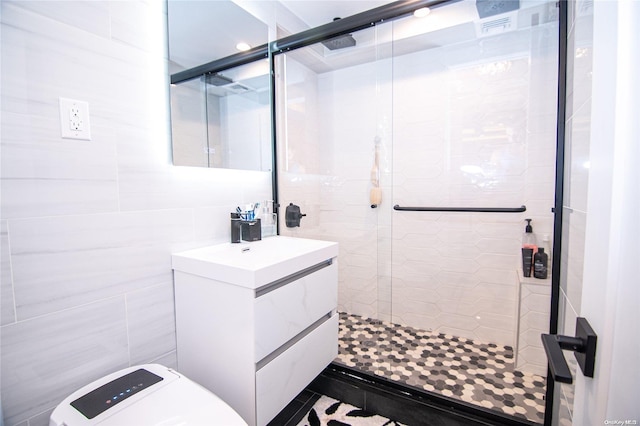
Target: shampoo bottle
point(540, 261)
point(528, 249)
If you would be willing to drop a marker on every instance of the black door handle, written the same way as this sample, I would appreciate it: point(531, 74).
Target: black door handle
point(583, 346)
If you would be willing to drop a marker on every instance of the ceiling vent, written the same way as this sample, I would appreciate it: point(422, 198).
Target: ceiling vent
point(238, 88)
point(496, 16)
point(497, 25)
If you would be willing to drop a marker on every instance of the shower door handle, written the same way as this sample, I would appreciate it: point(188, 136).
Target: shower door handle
point(583, 346)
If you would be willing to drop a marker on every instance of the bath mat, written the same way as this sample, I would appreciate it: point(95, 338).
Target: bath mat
point(330, 412)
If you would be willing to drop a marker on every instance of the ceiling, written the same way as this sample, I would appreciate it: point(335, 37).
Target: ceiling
point(201, 31)
point(316, 12)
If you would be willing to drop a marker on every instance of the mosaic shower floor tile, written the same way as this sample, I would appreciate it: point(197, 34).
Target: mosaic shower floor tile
point(474, 372)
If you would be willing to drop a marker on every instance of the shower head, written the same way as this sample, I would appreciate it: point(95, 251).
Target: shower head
point(218, 79)
point(339, 42)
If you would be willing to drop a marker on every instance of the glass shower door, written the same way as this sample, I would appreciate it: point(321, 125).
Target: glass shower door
point(334, 158)
point(451, 111)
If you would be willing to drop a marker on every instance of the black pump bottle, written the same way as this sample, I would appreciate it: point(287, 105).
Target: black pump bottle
point(540, 261)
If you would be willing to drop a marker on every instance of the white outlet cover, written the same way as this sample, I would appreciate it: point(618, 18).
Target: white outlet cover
point(74, 119)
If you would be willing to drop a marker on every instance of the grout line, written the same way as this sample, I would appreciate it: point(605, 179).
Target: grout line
point(82, 305)
point(126, 322)
point(13, 287)
point(532, 384)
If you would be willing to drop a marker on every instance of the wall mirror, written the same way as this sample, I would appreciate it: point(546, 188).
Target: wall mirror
point(221, 119)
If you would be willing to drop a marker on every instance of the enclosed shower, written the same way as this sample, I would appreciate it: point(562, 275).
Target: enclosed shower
point(421, 147)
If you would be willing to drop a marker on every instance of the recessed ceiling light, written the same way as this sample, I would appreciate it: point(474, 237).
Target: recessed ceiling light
point(422, 12)
point(243, 47)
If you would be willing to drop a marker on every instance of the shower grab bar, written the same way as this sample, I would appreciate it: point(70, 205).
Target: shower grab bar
point(520, 209)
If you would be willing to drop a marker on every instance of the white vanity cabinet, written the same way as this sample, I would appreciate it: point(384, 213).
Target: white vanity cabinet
point(257, 322)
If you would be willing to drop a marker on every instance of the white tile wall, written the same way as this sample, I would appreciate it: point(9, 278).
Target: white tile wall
point(88, 227)
point(472, 149)
point(578, 137)
point(533, 317)
point(455, 132)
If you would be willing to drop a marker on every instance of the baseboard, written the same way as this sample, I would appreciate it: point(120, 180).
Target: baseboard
point(404, 404)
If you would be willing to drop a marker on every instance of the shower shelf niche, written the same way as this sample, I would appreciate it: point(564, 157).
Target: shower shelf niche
point(534, 308)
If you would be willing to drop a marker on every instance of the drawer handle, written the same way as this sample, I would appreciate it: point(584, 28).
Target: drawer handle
point(295, 339)
point(267, 288)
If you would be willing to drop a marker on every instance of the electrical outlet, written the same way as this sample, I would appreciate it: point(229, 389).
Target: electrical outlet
point(74, 119)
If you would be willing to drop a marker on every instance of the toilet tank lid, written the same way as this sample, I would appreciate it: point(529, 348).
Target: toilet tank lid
point(112, 393)
point(169, 399)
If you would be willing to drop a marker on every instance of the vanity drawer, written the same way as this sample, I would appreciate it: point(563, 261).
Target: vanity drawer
point(287, 310)
point(284, 377)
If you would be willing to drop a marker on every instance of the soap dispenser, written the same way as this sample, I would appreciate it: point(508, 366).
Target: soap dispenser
point(529, 248)
point(528, 238)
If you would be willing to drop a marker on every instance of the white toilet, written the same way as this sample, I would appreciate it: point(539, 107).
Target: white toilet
point(144, 395)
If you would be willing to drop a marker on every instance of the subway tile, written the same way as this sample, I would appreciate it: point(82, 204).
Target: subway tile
point(151, 323)
point(498, 245)
point(41, 419)
point(46, 175)
point(578, 159)
point(456, 264)
point(408, 252)
point(534, 320)
point(494, 335)
point(531, 337)
point(144, 186)
point(91, 17)
point(212, 224)
point(532, 368)
point(498, 261)
point(47, 358)
point(565, 410)
point(491, 291)
point(463, 252)
point(169, 360)
point(80, 259)
point(498, 276)
point(537, 303)
point(56, 197)
point(135, 23)
point(453, 306)
point(574, 228)
point(502, 320)
point(106, 68)
point(422, 321)
point(367, 310)
point(460, 320)
point(457, 279)
point(443, 262)
point(7, 309)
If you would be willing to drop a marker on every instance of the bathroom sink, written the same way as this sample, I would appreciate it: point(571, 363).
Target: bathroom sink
point(257, 263)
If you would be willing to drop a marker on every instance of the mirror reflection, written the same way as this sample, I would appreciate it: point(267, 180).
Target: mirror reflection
point(203, 31)
point(223, 119)
point(220, 119)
